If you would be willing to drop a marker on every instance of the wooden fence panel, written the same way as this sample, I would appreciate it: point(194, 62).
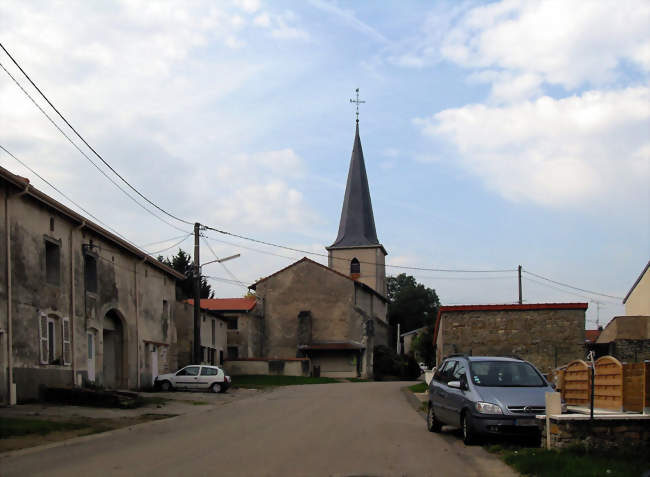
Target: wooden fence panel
point(634, 378)
point(577, 382)
point(646, 389)
point(608, 384)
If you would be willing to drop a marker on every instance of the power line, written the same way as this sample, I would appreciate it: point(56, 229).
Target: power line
point(162, 241)
point(62, 194)
point(561, 290)
point(403, 267)
point(83, 153)
point(572, 287)
point(171, 246)
point(88, 145)
point(224, 265)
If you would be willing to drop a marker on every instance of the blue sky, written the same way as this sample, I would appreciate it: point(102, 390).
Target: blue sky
point(495, 134)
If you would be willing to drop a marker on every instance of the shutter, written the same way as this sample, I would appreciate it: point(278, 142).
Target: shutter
point(42, 331)
point(67, 349)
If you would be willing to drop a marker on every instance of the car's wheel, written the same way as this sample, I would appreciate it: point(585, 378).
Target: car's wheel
point(215, 388)
point(469, 434)
point(433, 425)
point(165, 386)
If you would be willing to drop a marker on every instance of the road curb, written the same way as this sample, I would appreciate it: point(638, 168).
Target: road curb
point(413, 401)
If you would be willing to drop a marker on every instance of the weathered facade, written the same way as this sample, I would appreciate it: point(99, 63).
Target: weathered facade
point(78, 304)
point(310, 310)
point(546, 334)
point(213, 334)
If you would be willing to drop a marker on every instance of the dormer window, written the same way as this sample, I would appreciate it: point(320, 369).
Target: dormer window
point(355, 267)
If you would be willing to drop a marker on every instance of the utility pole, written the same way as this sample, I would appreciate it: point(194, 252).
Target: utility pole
point(519, 274)
point(197, 297)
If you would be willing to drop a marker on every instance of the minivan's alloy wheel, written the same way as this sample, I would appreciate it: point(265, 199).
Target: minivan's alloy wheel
point(216, 388)
point(432, 424)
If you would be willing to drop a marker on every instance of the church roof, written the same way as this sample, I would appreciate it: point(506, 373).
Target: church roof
point(357, 225)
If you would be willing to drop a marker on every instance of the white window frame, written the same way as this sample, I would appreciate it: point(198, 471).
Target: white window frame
point(51, 345)
point(66, 349)
point(42, 333)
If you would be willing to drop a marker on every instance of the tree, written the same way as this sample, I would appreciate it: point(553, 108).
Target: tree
point(413, 306)
point(182, 263)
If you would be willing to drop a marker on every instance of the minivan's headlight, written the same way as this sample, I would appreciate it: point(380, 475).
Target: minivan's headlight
point(488, 408)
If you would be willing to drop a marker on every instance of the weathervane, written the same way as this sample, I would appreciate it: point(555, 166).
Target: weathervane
point(358, 102)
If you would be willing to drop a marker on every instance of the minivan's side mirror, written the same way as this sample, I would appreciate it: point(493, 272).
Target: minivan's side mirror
point(454, 384)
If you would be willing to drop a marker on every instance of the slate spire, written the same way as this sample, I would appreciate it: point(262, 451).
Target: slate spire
point(357, 225)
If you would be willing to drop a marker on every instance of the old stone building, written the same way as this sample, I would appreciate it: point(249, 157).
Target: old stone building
point(78, 304)
point(335, 315)
point(546, 334)
point(627, 338)
point(310, 310)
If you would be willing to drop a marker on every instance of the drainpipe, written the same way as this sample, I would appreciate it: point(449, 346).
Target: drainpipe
point(72, 302)
point(10, 363)
point(137, 322)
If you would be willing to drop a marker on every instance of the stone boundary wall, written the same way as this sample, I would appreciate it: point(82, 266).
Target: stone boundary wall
point(610, 432)
point(263, 366)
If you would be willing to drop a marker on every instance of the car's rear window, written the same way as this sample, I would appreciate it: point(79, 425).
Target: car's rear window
point(504, 374)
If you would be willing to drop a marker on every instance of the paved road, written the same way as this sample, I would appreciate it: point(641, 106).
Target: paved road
point(352, 429)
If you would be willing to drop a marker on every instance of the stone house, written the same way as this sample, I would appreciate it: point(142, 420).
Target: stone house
point(309, 310)
point(213, 334)
point(78, 304)
point(546, 334)
point(244, 325)
point(406, 340)
point(627, 338)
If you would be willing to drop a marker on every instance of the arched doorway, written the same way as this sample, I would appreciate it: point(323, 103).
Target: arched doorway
point(113, 350)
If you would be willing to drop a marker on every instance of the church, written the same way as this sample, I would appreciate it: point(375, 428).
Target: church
point(331, 316)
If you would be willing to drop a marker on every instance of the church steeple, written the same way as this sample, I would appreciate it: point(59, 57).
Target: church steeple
point(356, 252)
point(357, 225)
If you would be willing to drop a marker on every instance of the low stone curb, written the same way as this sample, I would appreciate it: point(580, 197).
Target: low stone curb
point(414, 401)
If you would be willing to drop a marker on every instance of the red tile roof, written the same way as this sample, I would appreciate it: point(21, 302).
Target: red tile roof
point(592, 335)
point(226, 304)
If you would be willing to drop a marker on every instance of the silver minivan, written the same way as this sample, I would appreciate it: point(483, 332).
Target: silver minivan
point(486, 395)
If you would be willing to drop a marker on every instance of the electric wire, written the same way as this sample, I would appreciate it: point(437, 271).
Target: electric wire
point(591, 299)
point(171, 246)
point(162, 241)
point(63, 194)
point(88, 145)
point(84, 154)
point(572, 287)
point(223, 264)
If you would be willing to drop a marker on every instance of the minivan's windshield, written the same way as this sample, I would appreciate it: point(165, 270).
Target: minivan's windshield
point(504, 374)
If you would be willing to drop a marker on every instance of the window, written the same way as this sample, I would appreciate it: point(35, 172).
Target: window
point(355, 266)
point(232, 323)
point(214, 332)
point(90, 273)
point(165, 309)
point(458, 372)
point(505, 374)
point(446, 370)
point(189, 371)
point(55, 346)
point(52, 262)
point(205, 371)
point(233, 352)
point(220, 356)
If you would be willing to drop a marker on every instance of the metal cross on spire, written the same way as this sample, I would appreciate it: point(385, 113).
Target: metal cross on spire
point(358, 102)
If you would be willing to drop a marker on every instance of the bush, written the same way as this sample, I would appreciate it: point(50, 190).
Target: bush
point(387, 363)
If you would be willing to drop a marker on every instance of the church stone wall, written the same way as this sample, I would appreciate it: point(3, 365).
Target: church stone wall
point(308, 287)
point(372, 265)
point(546, 338)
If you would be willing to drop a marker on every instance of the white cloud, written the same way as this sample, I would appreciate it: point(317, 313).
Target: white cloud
point(281, 25)
point(349, 18)
point(577, 151)
point(558, 42)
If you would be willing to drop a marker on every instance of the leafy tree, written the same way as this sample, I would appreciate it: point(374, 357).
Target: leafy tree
point(182, 263)
point(413, 306)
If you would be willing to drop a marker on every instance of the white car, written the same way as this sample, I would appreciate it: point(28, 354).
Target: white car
point(195, 376)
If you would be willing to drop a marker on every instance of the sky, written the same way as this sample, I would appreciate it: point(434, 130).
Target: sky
point(495, 134)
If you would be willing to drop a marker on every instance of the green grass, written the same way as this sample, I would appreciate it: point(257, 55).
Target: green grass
point(419, 388)
point(570, 462)
point(153, 400)
point(262, 381)
point(14, 426)
point(358, 380)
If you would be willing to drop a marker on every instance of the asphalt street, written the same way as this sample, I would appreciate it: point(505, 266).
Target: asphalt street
point(343, 429)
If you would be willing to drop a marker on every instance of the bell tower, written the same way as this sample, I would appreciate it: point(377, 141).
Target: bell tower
point(356, 252)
